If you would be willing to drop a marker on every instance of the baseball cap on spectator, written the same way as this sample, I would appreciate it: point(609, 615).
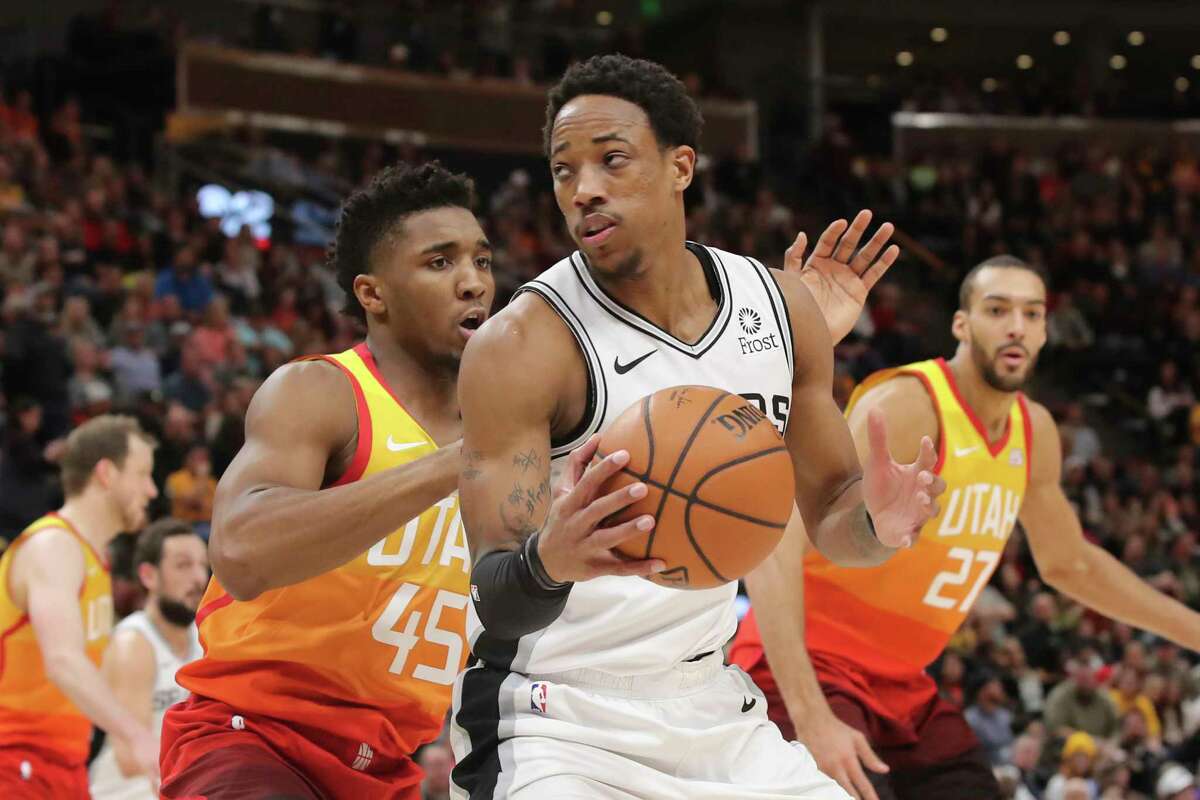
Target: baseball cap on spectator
point(1079, 742)
point(1173, 780)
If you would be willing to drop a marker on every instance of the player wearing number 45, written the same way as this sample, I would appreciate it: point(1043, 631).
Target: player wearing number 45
point(861, 691)
point(333, 628)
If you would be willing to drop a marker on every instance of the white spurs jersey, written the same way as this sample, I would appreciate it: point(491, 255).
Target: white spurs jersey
point(630, 626)
point(105, 779)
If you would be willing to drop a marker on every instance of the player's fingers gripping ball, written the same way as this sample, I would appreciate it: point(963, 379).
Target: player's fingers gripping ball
point(719, 480)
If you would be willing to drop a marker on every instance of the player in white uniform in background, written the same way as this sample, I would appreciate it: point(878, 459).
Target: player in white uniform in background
point(591, 683)
point(149, 646)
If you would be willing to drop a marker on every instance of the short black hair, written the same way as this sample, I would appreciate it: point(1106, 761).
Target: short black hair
point(150, 542)
point(371, 214)
point(1000, 262)
point(673, 114)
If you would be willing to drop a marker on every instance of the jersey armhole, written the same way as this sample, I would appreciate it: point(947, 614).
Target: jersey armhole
point(933, 398)
point(597, 391)
point(362, 449)
point(1027, 424)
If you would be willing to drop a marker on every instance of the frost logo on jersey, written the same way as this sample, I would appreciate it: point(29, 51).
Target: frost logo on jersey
point(538, 693)
point(751, 323)
point(364, 757)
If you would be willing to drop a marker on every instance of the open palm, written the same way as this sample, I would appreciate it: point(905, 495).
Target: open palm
point(901, 498)
point(838, 277)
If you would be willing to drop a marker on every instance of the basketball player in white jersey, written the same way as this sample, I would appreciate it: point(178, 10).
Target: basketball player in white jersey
point(149, 646)
point(590, 683)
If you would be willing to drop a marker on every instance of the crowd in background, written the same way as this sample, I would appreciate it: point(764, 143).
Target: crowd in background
point(117, 294)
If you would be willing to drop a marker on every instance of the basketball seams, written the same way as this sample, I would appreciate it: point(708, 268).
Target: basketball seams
point(693, 499)
point(679, 460)
point(699, 501)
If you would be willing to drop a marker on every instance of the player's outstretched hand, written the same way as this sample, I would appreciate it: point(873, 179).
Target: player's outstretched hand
point(900, 497)
point(841, 752)
point(838, 277)
point(572, 545)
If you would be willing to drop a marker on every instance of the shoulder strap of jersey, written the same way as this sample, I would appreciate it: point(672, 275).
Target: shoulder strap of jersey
point(779, 309)
point(597, 400)
point(346, 361)
point(930, 376)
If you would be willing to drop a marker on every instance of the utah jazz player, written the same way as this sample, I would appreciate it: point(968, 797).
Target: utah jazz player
point(333, 628)
point(871, 633)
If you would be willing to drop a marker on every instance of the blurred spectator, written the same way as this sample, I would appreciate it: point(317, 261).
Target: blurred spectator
point(1127, 696)
point(26, 468)
point(436, 759)
point(190, 384)
point(192, 490)
point(1075, 771)
point(90, 394)
point(1079, 438)
point(134, 365)
point(186, 281)
point(1076, 705)
point(1175, 783)
point(991, 720)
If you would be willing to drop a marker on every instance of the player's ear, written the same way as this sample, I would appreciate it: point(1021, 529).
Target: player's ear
point(369, 293)
point(683, 162)
point(105, 472)
point(146, 573)
point(958, 326)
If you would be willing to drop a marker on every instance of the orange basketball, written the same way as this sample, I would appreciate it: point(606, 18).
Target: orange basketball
point(719, 478)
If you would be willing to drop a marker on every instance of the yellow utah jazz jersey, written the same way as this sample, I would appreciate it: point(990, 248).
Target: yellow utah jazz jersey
point(33, 711)
point(895, 619)
point(369, 651)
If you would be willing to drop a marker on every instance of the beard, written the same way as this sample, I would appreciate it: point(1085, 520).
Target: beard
point(175, 612)
point(992, 377)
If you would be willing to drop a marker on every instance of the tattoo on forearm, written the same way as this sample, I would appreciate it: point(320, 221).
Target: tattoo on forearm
point(471, 461)
point(527, 460)
point(521, 505)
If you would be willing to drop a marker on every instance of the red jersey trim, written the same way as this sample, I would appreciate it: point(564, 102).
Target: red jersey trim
point(994, 449)
point(1027, 423)
point(362, 450)
point(215, 605)
point(937, 410)
point(71, 529)
point(368, 359)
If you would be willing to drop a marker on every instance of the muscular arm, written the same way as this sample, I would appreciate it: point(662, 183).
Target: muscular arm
point(273, 525)
point(51, 568)
point(1082, 571)
point(778, 583)
point(507, 390)
point(828, 475)
point(129, 668)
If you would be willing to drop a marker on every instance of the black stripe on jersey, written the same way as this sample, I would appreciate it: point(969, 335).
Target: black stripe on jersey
point(718, 284)
point(775, 295)
point(597, 400)
point(479, 716)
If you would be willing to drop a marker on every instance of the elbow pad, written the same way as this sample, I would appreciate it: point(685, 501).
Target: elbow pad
point(512, 593)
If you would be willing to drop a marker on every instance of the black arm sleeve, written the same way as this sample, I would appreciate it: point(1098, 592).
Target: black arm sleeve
point(512, 593)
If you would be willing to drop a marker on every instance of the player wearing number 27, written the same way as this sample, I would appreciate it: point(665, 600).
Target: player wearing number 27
point(333, 626)
point(871, 633)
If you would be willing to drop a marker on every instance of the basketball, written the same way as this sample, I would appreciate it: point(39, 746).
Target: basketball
point(719, 481)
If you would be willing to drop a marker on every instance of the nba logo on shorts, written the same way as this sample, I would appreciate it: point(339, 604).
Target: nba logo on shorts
point(537, 696)
point(1017, 457)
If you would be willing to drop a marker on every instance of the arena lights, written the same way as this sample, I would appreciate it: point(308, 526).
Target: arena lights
point(1182, 84)
point(1062, 38)
point(1196, 62)
point(1136, 38)
point(990, 84)
point(939, 34)
point(604, 18)
point(904, 58)
point(1118, 61)
point(1024, 61)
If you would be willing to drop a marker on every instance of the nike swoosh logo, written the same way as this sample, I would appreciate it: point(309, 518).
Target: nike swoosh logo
point(748, 704)
point(959, 452)
point(623, 368)
point(396, 447)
